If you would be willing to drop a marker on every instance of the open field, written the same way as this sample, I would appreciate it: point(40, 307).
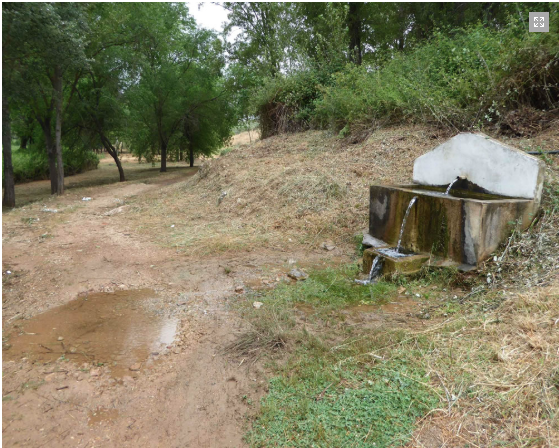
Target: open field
point(474, 363)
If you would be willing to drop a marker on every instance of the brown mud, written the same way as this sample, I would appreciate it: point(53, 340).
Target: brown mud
point(122, 330)
point(86, 267)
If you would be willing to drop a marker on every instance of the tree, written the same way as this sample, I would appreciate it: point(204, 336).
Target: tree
point(177, 69)
point(46, 48)
point(264, 40)
point(9, 199)
point(99, 114)
point(207, 123)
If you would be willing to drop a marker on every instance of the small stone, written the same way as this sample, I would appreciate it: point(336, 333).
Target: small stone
point(135, 367)
point(401, 290)
point(114, 211)
point(60, 338)
point(327, 245)
point(221, 197)
point(95, 372)
point(297, 274)
point(417, 295)
point(426, 316)
point(257, 305)
point(239, 289)
point(176, 351)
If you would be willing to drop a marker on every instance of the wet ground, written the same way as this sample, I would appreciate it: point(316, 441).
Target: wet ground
point(88, 300)
point(121, 330)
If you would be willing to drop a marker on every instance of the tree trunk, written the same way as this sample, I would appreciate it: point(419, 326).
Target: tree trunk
point(47, 132)
point(191, 154)
point(114, 154)
point(119, 166)
point(58, 129)
point(354, 26)
point(163, 157)
point(23, 142)
point(9, 199)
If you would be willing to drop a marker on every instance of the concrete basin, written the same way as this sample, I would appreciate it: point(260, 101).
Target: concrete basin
point(465, 226)
point(471, 192)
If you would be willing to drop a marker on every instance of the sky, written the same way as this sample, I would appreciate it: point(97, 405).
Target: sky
point(208, 15)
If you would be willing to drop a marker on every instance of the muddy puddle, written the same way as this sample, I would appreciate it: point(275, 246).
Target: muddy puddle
point(119, 330)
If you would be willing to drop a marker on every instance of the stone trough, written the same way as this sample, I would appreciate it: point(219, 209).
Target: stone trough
point(471, 192)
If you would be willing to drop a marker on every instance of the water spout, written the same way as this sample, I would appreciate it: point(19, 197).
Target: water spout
point(451, 184)
point(376, 267)
point(398, 247)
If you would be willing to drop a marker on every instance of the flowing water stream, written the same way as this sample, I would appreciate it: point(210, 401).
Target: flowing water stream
point(398, 247)
point(450, 185)
point(376, 268)
point(378, 261)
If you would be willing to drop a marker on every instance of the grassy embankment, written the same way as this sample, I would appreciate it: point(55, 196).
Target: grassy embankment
point(476, 363)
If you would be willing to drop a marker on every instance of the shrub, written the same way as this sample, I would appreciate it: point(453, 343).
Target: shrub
point(287, 103)
point(462, 80)
point(32, 164)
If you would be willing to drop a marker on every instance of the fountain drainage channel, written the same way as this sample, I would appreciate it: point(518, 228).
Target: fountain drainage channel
point(458, 210)
point(121, 330)
point(378, 261)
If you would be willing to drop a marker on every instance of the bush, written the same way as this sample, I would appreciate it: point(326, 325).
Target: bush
point(33, 164)
point(463, 80)
point(287, 104)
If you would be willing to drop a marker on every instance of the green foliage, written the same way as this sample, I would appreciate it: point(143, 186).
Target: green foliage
point(322, 405)
point(358, 241)
point(33, 164)
point(287, 103)
point(335, 396)
point(462, 80)
point(180, 99)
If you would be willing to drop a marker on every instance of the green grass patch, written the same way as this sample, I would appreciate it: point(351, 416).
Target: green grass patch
point(329, 289)
point(323, 405)
point(335, 383)
point(328, 390)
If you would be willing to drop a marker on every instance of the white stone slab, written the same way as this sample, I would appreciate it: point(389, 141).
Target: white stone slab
point(494, 166)
point(371, 241)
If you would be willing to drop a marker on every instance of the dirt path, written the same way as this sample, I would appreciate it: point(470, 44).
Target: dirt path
point(190, 394)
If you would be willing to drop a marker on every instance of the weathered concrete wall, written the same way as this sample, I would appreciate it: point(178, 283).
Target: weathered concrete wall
point(494, 166)
point(464, 230)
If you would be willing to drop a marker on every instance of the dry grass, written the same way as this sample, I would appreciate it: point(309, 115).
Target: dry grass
point(285, 191)
point(496, 360)
point(502, 370)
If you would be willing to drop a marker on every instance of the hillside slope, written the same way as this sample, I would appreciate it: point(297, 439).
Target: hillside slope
point(291, 190)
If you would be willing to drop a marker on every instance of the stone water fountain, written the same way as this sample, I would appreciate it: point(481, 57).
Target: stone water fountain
point(467, 196)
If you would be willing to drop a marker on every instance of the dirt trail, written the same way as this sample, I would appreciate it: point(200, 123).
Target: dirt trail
point(191, 394)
